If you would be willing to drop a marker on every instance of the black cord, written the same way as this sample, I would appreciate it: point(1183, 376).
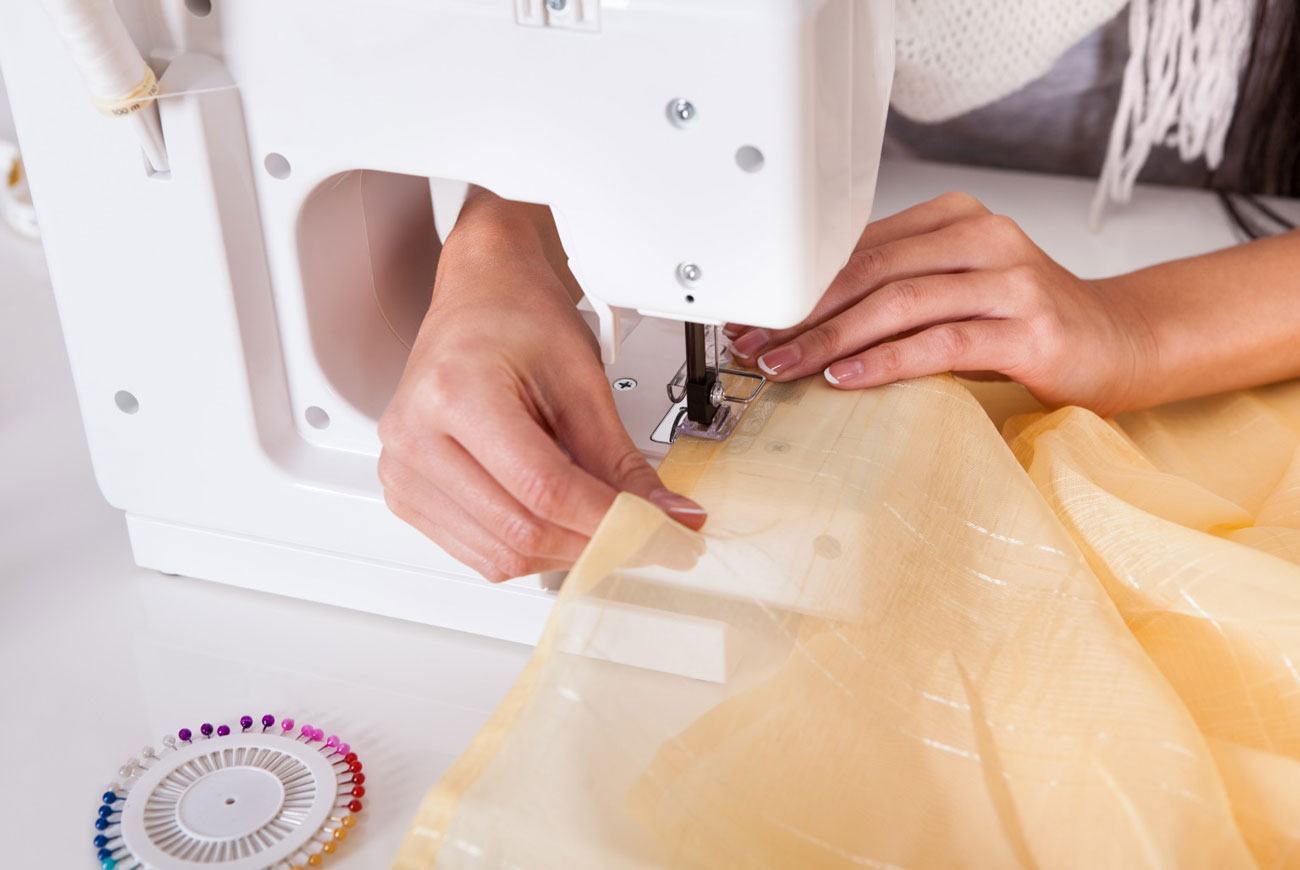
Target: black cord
point(1246, 227)
point(1283, 222)
point(1250, 228)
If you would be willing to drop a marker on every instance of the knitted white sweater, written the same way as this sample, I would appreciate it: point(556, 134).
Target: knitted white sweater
point(1180, 81)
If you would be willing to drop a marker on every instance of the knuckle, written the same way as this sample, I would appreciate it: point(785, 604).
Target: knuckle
point(888, 359)
point(437, 386)
point(952, 343)
point(959, 202)
point(901, 298)
point(395, 434)
point(542, 492)
point(1021, 276)
point(1023, 285)
point(866, 266)
point(510, 565)
point(523, 534)
point(629, 464)
point(388, 471)
point(1045, 332)
point(1000, 228)
point(828, 338)
point(396, 506)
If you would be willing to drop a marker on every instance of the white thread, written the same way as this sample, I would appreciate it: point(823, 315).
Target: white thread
point(108, 58)
point(1180, 87)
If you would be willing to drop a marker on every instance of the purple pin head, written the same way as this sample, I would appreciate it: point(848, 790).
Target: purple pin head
point(268, 720)
point(245, 722)
point(206, 729)
point(185, 734)
point(223, 730)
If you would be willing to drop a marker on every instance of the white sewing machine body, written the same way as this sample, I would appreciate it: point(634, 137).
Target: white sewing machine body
point(237, 323)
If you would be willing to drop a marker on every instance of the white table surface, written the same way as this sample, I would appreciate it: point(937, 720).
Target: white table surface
point(101, 657)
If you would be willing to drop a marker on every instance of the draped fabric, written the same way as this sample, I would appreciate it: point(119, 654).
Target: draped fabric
point(905, 641)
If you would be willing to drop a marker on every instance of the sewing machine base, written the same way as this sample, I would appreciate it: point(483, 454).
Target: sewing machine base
point(514, 611)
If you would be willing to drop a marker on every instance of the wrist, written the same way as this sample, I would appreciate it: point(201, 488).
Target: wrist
point(1134, 351)
point(491, 225)
point(500, 229)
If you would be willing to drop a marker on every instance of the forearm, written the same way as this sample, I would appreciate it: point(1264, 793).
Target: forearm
point(1221, 321)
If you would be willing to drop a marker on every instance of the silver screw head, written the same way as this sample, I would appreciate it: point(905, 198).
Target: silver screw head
point(689, 272)
point(624, 384)
point(557, 5)
point(683, 111)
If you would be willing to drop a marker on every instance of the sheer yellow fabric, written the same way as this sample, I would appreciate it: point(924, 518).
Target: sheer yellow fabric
point(902, 644)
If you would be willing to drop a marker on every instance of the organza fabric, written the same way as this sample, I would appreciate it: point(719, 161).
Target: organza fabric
point(902, 644)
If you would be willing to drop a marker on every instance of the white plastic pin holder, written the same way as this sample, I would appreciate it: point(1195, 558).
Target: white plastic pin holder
point(274, 799)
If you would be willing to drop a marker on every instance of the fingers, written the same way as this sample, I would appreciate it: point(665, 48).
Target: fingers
point(522, 457)
point(983, 242)
point(454, 470)
point(435, 515)
point(918, 220)
point(973, 345)
point(926, 217)
point(596, 440)
point(895, 308)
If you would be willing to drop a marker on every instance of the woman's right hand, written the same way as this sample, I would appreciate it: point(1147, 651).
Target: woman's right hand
point(502, 443)
point(949, 286)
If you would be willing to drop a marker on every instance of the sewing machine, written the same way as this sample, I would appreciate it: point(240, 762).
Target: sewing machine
point(241, 240)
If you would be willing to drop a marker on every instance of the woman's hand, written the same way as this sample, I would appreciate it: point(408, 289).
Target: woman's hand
point(502, 443)
point(947, 286)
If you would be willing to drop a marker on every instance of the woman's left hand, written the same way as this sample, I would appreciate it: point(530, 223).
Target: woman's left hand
point(948, 286)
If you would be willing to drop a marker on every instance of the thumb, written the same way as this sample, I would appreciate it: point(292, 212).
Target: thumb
point(598, 443)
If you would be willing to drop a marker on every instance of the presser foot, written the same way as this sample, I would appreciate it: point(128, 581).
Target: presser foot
point(723, 423)
point(708, 410)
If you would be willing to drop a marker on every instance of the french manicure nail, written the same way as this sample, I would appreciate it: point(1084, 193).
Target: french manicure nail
point(843, 371)
point(670, 502)
point(731, 330)
point(774, 361)
point(751, 342)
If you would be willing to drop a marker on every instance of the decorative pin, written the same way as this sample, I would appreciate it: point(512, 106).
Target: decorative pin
point(304, 761)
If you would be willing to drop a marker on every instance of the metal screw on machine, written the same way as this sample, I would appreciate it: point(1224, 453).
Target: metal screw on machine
point(625, 384)
point(683, 111)
point(689, 272)
point(557, 5)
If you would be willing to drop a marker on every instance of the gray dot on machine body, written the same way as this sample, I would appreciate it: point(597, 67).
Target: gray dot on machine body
point(624, 384)
point(827, 547)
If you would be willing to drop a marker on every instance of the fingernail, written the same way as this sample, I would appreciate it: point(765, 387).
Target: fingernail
point(672, 503)
point(843, 371)
point(731, 330)
point(751, 342)
point(774, 361)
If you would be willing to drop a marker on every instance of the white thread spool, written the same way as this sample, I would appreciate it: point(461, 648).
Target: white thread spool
point(121, 82)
